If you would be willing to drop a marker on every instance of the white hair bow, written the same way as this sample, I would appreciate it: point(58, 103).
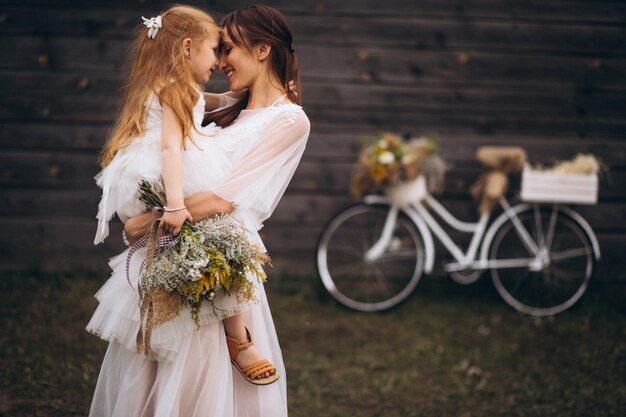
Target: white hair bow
point(153, 24)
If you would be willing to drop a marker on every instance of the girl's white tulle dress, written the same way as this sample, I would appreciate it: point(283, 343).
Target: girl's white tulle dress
point(249, 164)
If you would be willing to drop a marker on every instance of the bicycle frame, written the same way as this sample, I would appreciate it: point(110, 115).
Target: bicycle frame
point(426, 223)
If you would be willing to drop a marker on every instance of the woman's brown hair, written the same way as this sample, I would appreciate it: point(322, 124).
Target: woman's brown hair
point(252, 26)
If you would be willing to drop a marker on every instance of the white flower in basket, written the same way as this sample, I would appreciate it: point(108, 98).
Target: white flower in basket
point(406, 192)
point(386, 158)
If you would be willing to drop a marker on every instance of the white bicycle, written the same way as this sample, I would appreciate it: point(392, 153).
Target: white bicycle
point(541, 256)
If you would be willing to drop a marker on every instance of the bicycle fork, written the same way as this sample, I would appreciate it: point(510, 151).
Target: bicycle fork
point(382, 243)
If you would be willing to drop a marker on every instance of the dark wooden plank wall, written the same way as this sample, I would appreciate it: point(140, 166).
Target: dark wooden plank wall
point(546, 75)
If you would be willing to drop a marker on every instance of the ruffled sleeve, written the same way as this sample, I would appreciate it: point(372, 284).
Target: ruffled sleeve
point(106, 210)
point(259, 180)
point(119, 182)
point(119, 179)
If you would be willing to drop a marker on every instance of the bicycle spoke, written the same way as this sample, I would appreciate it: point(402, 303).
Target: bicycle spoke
point(397, 269)
point(356, 242)
point(526, 276)
point(568, 254)
point(349, 250)
point(538, 226)
point(350, 267)
point(557, 274)
point(394, 256)
point(551, 227)
point(381, 279)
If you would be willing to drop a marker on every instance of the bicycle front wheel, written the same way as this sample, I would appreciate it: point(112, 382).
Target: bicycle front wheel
point(362, 284)
point(558, 275)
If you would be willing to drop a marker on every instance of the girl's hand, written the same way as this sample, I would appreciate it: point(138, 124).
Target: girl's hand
point(172, 221)
point(291, 87)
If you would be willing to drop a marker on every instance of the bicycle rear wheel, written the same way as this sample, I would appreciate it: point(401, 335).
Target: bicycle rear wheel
point(561, 273)
point(369, 285)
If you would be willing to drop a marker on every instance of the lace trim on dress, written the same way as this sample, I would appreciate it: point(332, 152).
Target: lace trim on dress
point(244, 128)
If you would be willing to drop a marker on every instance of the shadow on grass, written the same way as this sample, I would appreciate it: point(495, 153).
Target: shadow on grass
point(449, 350)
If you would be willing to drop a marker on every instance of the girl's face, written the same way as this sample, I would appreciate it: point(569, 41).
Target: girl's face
point(203, 60)
point(238, 64)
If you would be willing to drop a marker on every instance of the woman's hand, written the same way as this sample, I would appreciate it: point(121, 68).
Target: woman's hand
point(137, 226)
point(291, 87)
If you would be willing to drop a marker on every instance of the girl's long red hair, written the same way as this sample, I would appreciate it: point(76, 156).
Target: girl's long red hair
point(160, 66)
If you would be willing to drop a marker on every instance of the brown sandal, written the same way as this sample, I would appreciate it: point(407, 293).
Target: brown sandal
point(250, 372)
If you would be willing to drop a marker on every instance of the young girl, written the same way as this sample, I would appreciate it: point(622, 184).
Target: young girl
point(173, 55)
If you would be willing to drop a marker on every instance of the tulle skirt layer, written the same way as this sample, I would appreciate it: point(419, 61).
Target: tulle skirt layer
point(190, 374)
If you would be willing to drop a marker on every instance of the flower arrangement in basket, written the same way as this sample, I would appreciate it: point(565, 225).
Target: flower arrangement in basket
point(397, 167)
point(209, 259)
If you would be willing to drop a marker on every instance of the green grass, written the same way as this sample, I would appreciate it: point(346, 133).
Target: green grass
point(450, 350)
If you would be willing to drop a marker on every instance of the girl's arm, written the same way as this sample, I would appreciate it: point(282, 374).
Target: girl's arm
point(172, 172)
point(213, 101)
point(200, 206)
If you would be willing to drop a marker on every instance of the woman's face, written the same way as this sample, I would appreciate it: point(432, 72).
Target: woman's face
point(238, 64)
point(203, 60)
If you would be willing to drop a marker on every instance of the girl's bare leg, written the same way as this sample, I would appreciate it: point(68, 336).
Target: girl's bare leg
point(235, 328)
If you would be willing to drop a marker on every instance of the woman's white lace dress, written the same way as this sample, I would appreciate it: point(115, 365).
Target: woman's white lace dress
point(249, 164)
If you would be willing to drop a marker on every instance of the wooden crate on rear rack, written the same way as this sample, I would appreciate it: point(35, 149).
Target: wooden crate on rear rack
point(548, 187)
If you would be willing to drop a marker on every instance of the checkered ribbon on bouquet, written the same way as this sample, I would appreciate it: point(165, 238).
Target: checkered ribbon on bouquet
point(156, 243)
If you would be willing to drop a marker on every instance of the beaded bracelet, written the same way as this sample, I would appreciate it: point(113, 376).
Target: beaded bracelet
point(167, 210)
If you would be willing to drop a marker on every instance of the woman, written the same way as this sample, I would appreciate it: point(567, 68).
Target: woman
point(262, 140)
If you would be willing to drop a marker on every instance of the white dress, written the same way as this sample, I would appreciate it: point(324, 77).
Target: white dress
point(249, 164)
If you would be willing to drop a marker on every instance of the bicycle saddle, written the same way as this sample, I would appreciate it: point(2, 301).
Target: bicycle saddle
point(501, 161)
point(508, 159)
